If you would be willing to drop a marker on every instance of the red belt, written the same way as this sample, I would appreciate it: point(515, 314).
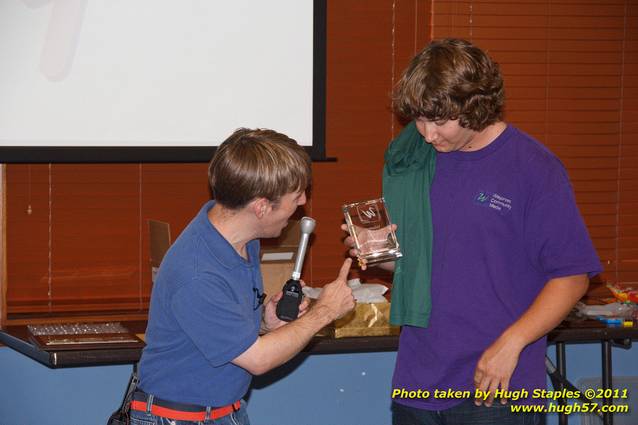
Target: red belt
point(161, 408)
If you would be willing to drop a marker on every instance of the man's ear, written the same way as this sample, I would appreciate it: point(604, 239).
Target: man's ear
point(260, 207)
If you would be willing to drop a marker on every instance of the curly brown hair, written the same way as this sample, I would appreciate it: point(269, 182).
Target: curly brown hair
point(451, 79)
point(258, 163)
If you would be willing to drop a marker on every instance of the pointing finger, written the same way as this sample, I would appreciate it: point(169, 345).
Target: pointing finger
point(345, 268)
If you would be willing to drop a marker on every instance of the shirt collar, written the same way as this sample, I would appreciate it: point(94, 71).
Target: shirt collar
point(495, 145)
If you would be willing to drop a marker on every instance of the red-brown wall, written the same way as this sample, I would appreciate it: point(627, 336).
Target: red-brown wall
point(77, 234)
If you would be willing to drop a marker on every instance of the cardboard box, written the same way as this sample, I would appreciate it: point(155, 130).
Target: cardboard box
point(277, 254)
point(159, 242)
point(365, 320)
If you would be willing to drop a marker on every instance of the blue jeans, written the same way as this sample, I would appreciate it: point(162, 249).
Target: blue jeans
point(466, 413)
point(239, 417)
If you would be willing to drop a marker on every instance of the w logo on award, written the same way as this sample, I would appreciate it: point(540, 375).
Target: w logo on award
point(368, 213)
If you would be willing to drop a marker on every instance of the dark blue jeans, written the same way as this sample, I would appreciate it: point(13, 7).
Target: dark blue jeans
point(466, 413)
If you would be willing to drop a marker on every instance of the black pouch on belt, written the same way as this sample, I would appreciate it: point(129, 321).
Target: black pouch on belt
point(120, 416)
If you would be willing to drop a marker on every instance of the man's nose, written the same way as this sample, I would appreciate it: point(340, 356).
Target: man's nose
point(427, 130)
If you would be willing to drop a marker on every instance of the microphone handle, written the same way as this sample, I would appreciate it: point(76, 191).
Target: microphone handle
point(301, 253)
point(288, 305)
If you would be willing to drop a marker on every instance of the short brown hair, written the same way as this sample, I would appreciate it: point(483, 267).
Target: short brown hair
point(452, 79)
point(257, 163)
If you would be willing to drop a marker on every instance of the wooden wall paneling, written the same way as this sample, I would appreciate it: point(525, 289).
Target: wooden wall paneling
point(27, 217)
point(71, 228)
point(571, 73)
point(451, 19)
point(357, 121)
point(411, 32)
point(95, 244)
point(368, 43)
point(172, 193)
point(79, 234)
point(579, 73)
point(3, 246)
point(628, 172)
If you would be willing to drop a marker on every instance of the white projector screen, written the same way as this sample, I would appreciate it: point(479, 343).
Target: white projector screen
point(156, 80)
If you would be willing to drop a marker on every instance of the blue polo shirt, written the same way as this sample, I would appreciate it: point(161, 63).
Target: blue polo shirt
point(203, 314)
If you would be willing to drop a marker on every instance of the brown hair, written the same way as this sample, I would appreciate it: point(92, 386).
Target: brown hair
point(257, 163)
point(451, 79)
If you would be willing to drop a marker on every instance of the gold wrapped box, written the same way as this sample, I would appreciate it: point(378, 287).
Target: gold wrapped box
point(365, 320)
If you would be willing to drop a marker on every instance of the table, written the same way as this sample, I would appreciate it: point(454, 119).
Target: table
point(574, 331)
point(571, 331)
point(17, 337)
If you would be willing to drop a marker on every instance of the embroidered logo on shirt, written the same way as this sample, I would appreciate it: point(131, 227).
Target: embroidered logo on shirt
point(493, 200)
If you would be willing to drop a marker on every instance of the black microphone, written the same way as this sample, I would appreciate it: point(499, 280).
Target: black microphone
point(288, 305)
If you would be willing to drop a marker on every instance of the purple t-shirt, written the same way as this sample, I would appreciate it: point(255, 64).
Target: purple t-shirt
point(505, 222)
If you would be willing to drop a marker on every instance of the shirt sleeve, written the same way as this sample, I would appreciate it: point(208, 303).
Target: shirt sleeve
point(557, 238)
point(219, 325)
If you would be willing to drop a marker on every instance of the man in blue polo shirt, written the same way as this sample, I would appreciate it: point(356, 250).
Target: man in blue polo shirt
point(203, 343)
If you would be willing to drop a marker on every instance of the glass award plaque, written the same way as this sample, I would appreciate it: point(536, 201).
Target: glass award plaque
point(370, 227)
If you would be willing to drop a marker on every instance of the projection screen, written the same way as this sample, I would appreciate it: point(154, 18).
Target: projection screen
point(156, 80)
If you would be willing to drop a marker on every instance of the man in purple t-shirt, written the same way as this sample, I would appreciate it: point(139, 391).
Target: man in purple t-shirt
point(510, 252)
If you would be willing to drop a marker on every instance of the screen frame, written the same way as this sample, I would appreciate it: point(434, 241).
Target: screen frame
point(192, 154)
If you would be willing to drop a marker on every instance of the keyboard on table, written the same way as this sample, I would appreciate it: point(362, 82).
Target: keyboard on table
point(78, 336)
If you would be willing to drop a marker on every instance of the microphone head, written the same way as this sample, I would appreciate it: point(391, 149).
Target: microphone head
point(307, 225)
